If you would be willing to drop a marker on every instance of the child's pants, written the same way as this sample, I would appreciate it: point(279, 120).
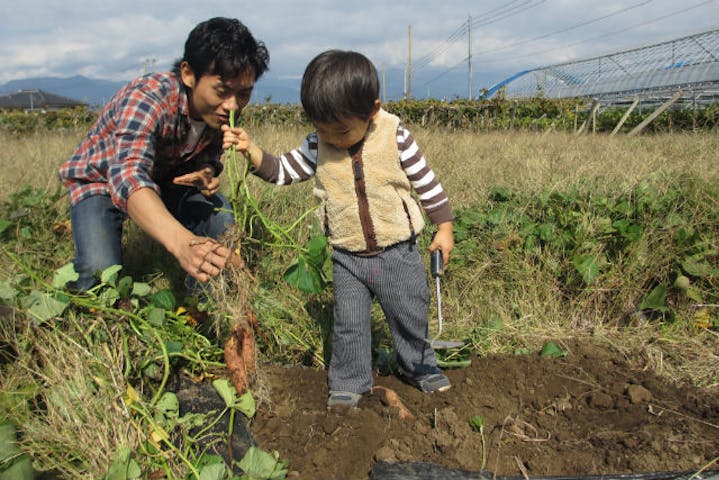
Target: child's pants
point(397, 278)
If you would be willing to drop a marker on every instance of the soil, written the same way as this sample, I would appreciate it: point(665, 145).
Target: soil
point(593, 412)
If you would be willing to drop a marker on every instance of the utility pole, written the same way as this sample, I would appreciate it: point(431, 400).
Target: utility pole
point(469, 55)
point(148, 64)
point(409, 63)
point(384, 86)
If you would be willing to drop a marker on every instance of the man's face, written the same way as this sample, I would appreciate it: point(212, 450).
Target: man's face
point(212, 99)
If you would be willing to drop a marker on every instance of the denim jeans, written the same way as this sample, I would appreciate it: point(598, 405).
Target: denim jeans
point(97, 227)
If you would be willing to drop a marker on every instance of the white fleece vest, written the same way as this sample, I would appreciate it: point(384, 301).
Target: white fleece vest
point(367, 201)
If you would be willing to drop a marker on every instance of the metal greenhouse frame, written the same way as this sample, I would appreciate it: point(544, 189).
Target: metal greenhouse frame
point(653, 73)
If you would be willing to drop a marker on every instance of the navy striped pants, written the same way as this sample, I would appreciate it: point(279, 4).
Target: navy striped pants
point(397, 278)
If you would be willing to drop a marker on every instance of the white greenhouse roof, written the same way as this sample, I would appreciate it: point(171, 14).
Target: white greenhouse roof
point(690, 64)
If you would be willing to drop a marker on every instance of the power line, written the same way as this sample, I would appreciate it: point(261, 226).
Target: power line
point(486, 18)
point(573, 27)
point(483, 22)
point(604, 35)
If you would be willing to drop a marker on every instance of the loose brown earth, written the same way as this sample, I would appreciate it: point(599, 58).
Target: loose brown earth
point(590, 413)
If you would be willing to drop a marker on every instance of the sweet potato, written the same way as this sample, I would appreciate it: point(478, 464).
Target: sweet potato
point(390, 398)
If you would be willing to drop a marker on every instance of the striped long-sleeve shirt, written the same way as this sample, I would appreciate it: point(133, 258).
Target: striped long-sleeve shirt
point(300, 164)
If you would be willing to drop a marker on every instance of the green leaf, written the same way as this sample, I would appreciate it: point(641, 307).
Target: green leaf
point(8, 294)
point(258, 464)
point(587, 267)
point(317, 251)
point(140, 289)
point(120, 464)
point(551, 349)
point(215, 471)
point(156, 316)
point(304, 276)
point(168, 409)
point(124, 286)
point(4, 225)
point(656, 299)
point(133, 469)
point(246, 404)
point(546, 232)
point(698, 268)
point(43, 306)
point(109, 296)
point(109, 275)
point(173, 347)
point(477, 423)
point(209, 459)
point(695, 294)
point(8, 442)
point(226, 391)
point(164, 299)
point(63, 275)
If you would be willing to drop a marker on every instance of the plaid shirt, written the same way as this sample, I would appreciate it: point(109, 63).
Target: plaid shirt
point(139, 141)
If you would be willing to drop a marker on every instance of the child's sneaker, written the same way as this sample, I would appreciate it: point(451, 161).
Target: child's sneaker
point(343, 399)
point(433, 382)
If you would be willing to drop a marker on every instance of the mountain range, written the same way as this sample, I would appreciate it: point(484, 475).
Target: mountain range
point(97, 92)
point(269, 89)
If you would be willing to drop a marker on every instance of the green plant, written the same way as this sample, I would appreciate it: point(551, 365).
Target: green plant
point(476, 423)
point(307, 271)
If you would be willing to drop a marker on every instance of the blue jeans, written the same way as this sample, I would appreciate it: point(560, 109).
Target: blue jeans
point(97, 227)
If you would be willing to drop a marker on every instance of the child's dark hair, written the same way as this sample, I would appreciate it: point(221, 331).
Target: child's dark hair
point(225, 47)
point(338, 84)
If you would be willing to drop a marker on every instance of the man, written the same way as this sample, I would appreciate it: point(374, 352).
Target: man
point(154, 155)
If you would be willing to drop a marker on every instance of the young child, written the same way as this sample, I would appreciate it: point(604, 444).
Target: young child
point(366, 165)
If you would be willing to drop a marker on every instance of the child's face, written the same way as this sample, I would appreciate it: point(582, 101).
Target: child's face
point(342, 134)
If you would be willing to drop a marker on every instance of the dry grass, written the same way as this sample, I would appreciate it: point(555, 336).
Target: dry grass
point(78, 419)
point(33, 159)
point(470, 164)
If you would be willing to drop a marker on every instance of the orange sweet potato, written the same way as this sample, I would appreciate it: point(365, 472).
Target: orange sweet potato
point(390, 398)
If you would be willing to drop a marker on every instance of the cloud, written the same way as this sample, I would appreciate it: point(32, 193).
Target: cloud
point(114, 40)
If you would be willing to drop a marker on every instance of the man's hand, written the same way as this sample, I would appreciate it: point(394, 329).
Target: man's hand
point(200, 257)
point(204, 180)
point(204, 258)
point(444, 240)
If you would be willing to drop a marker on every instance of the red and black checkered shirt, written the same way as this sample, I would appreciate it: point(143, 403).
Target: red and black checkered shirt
point(138, 141)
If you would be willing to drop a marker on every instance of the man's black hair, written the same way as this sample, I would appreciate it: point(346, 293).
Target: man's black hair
point(225, 47)
point(337, 84)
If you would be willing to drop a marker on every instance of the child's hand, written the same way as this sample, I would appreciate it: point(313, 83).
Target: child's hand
point(237, 137)
point(444, 240)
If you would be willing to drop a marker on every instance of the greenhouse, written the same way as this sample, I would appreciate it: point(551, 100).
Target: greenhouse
point(689, 64)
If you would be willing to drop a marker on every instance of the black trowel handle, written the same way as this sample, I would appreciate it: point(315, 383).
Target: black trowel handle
point(437, 263)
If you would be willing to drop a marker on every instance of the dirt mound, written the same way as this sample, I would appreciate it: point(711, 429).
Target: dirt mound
point(589, 413)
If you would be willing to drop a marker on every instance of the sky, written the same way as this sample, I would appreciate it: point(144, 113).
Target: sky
point(432, 40)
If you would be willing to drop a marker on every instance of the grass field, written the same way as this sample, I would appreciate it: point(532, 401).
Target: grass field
point(558, 236)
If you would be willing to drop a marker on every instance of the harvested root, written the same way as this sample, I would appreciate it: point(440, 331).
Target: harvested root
point(390, 398)
point(240, 349)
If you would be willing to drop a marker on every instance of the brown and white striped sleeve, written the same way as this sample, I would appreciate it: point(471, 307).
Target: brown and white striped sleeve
point(294, 166)
point(431, 195)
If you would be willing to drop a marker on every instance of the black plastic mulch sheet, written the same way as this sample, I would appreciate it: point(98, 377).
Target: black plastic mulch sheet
point(430, 471)
point(202, 398)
